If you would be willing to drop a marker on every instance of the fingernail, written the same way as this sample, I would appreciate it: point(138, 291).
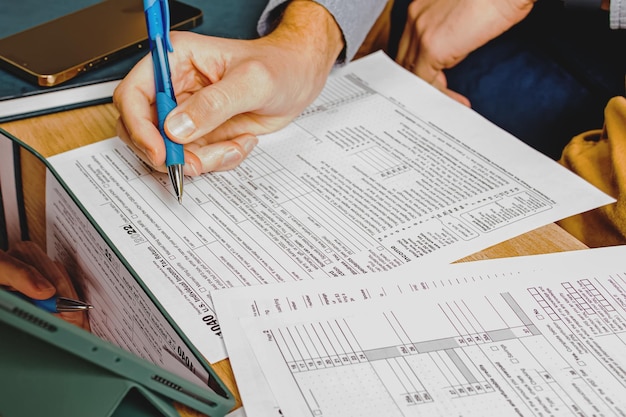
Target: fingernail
point(149, 157)
point(231, 157)
point(190, 170)
point(181, 125)
point(44, 285)
point(249, 144)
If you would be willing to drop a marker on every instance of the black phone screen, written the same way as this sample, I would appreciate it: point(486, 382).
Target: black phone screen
point(58, 50)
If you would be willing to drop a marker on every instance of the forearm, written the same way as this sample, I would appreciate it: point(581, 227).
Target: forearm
point(310, 30)
point(353, 18)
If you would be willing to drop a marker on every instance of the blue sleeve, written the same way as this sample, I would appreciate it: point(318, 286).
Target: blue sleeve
point(354, 17)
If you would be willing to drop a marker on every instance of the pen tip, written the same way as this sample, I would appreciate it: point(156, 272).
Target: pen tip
point(177, 177)
point(68, 304)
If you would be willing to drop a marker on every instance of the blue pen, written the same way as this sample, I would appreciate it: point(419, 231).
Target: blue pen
point(56, 304)
point(158, 23)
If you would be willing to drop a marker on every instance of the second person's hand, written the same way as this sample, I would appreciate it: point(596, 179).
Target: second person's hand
point(229, 91)
point(440, 33)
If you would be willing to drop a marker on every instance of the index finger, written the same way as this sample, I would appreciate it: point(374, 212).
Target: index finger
point(134, 98)
point(19, 276)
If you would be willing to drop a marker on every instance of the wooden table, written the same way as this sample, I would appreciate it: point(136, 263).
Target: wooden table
point(60, 132)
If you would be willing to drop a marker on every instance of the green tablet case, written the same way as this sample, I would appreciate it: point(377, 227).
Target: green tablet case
point(49, 367)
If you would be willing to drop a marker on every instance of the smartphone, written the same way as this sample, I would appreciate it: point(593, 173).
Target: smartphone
point(56, 51)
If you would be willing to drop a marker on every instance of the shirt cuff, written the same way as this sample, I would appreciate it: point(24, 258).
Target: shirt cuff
point(355, 19)
point(617, 14)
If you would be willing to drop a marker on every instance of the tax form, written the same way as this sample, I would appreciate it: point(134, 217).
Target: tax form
point(382, 170)
point(529, 336)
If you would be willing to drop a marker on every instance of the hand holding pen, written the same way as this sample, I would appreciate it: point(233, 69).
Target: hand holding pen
point(230, 91)
point(158, 23)
point(28, 271)
point(56, 304)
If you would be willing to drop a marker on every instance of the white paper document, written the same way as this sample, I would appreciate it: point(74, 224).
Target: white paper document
point(380, 171)
point(526, 336)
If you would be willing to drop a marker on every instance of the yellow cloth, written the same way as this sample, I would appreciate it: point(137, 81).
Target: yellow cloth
point(599, 156)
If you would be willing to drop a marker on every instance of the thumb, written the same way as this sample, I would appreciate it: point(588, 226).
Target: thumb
point(213, 105)
point(428, 71)
point(441, 83)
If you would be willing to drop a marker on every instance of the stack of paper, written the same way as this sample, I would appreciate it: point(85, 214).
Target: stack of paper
point(381, 174)
point(527, 336)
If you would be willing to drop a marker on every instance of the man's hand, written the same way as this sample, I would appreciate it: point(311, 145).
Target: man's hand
point(26, 268)
point(440, 33)
point(230, 91)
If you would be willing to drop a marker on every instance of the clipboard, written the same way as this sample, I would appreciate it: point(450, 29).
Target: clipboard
point(51, 367)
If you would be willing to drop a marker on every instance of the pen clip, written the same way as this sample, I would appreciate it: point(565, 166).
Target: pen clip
point(158, 18)
point(165, 12)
